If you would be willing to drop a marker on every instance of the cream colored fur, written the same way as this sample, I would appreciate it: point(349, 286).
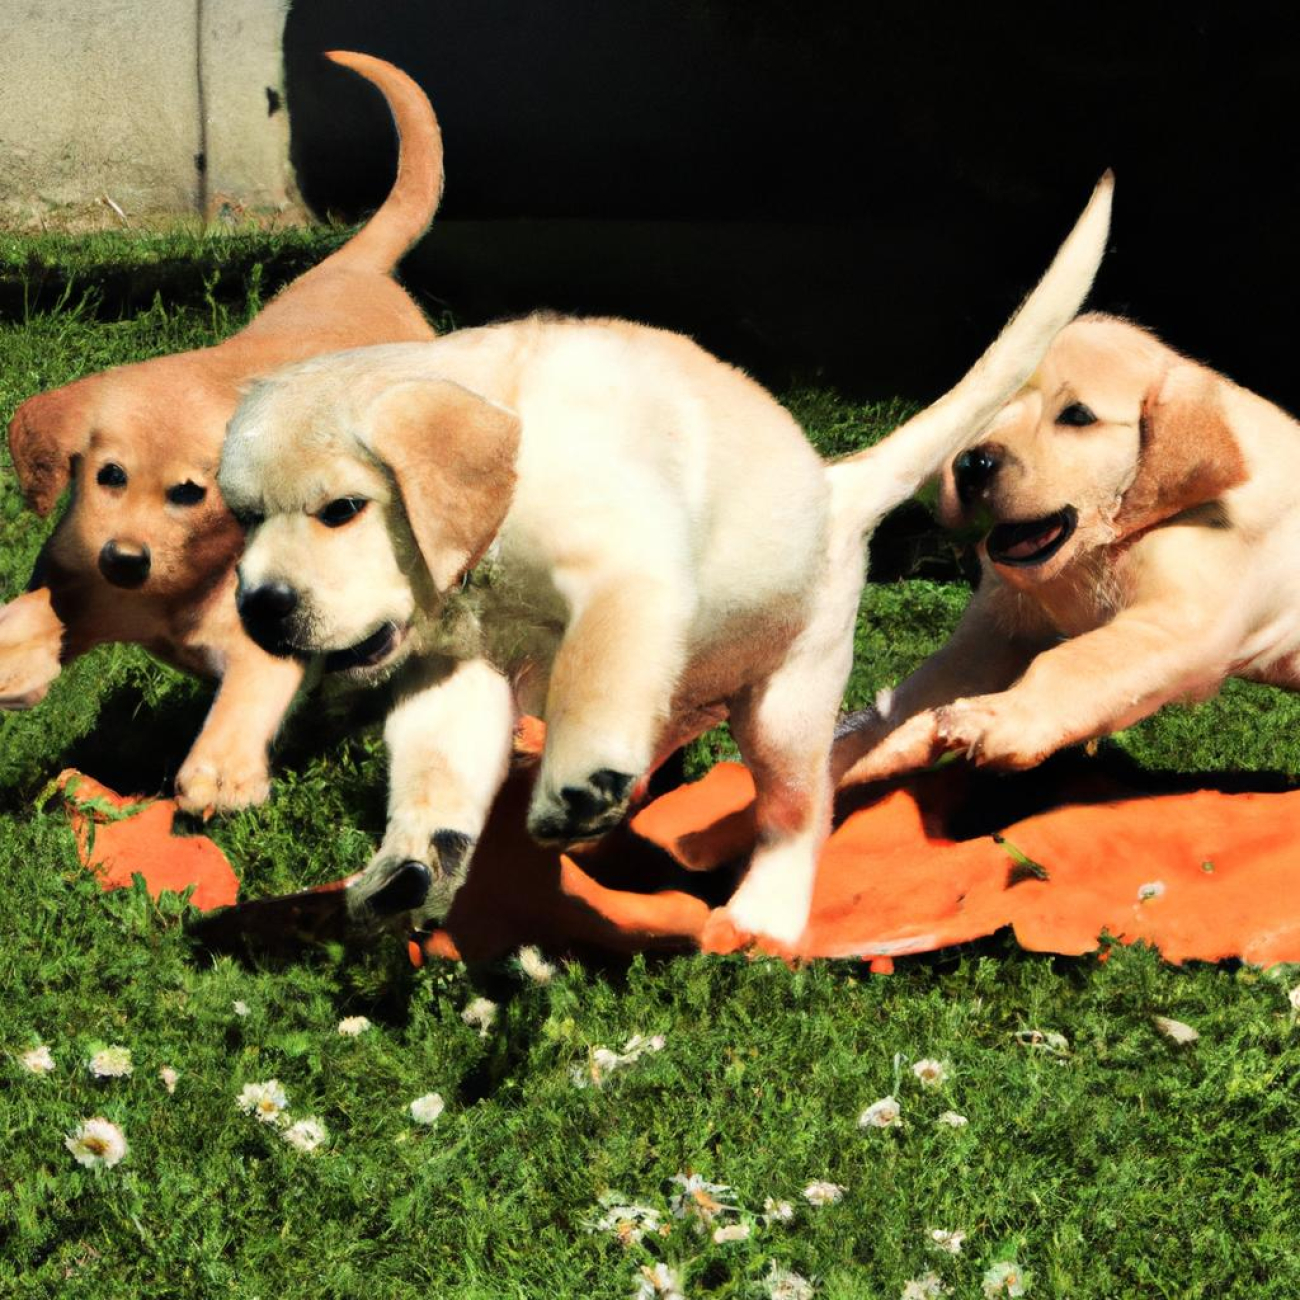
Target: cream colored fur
point(1180, 573)
point(600, 523)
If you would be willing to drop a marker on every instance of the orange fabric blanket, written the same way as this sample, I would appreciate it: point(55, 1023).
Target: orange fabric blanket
point(1200, 875)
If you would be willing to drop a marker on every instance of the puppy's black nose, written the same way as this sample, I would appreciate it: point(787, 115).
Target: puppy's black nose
point(973, 470)
point(124, 565)
point(270, 603)
point(264, 610)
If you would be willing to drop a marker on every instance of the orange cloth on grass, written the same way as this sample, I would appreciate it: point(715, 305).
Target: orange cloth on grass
point(118, 837)
point(1200, 875)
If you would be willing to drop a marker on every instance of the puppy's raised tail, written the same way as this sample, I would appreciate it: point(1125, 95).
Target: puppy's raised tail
point(866, 485)
point(407, 211)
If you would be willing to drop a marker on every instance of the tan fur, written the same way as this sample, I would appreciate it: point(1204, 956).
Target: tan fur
point(161, 423)
point(1180, 573)
point(453, 457)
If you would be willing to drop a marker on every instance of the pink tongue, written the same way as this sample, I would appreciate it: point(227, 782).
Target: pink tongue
point(1031, 544)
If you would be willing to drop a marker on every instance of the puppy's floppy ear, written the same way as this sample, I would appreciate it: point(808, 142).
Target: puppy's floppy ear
point(1189, 454)
point(453, 456)
point(47, 431)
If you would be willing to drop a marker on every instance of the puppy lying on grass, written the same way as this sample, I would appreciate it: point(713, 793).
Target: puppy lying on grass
point(146, 550)
point(599, 523)
point(1141, 533)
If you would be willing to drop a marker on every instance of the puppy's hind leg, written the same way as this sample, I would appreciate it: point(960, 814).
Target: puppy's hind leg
point(448, 740)
point(784, 727)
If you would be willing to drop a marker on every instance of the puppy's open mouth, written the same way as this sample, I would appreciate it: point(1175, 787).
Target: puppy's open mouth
point(1032, 542)
point(366, 654)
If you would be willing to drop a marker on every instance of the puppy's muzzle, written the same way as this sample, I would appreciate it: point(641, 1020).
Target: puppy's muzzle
point(975, 469)
point(124, 564)
point(265, 612)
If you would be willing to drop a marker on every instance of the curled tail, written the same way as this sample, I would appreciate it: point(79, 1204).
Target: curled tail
point(407, 211)
point(866, 485)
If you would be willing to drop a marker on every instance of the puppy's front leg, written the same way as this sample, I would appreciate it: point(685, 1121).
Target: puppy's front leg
point(227, 767)
point(987, 652)
point(608, 701)
point(1095, 684)
point(448, 740)
point(31, 649)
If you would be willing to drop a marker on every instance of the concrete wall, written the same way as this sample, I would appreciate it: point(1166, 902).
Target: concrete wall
point(135, 112)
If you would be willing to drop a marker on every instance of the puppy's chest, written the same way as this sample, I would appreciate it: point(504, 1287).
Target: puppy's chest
point(508, 615)
point(1074, 606)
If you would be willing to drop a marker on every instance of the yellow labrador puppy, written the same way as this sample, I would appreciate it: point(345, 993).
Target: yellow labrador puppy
point(597, 522)
point(1141, 538)
point(146, 550)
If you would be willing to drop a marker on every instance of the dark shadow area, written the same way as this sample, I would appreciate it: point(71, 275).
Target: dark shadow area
point(991, 801)
point(861, 192)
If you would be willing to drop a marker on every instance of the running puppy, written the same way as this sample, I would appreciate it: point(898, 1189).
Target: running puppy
point(146, 550)
point(597, 522)
point(1142, 531)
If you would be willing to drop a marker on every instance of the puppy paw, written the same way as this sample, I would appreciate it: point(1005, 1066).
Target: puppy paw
point(411, 883)
point(31, 647)
point(762, 912)
point(205, 786)
point(993, 731)
point(583, 810)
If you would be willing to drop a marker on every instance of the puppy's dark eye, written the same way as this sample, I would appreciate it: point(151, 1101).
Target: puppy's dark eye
point(343, 511)
point(1076, 416)
point(249, 519)
point(111, 475)
point(186, 494)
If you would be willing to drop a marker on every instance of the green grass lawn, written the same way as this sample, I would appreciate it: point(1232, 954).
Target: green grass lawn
point(1116, 1165)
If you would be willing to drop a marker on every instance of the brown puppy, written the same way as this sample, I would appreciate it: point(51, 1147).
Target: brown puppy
point(147, 549)
point(1145, 523)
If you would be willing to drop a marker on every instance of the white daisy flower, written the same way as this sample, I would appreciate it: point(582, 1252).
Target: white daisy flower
point(931, 1073)
point(1152, 889)
point(306, 1134)
point(946, 1240)
point(818, 1193)
point(929, 1287)
point(603, 1061)
point(426, 1109)
point(37, 1061)
point(168, 1077)
point(658, 1280)
point(239, 1007)
point(782, 1284)
point(698, 1200)
point(731, 1232)
point(775, 1211)
point(953, 1119)
point(1175, 1030)
point(627, 1221)
point(351, 1026)
point(639, 1044)
point(534, 965)
point(481, 1014)
point(1294, 998)
point(1006, 1278)
point(885, 1113)
point(111, 1062)
point(97, 1142)
point(265, 1101)
point(1045, 1040)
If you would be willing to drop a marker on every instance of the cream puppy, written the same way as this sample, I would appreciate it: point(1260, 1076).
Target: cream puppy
point(597, 522)
point(1141, 534)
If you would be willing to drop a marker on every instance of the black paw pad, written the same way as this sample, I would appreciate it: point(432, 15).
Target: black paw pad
point(403, 891)
point(452, 849)
point(604, 789)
